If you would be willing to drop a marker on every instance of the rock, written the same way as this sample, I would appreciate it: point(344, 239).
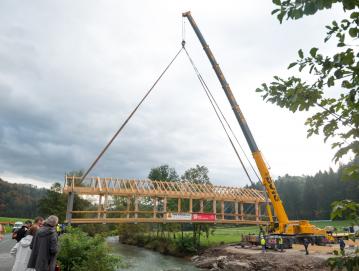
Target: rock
point(215, 267)
point(195, 258)
point(237, 266)
point(207, 262)
point(221, 261)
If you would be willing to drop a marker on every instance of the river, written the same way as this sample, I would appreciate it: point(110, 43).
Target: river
point(140, 259)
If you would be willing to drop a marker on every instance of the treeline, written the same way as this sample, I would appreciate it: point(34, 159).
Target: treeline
point(20, 200)
point(310, 197)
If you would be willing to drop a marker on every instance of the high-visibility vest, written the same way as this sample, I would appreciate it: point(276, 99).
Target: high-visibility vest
point(263, 241)
point(280, 241)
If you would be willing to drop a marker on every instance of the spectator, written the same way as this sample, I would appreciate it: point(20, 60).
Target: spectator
point(21, 251)
point(39, 221)
point(21, 233)
point(44, 246)
point(2, 231)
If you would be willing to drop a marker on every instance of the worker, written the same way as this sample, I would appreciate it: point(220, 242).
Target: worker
point(342, 246)
point(58, 229)
point(263, 244)
point(306, 244)
point(280, 243)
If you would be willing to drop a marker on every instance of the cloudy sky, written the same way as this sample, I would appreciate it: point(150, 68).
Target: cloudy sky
point(71, 71)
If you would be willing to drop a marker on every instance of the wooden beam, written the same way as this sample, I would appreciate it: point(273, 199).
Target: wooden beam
point(242, 211)
point(236, 209)
point(155, 207)
point(222, 209)
point(165, 204)
point(136, 207)
point(128, 206)
point(99, 208)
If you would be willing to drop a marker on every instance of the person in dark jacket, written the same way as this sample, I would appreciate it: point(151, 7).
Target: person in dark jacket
point(306, 244)
point(21, 233)
point(342, 246)
point(44, 246)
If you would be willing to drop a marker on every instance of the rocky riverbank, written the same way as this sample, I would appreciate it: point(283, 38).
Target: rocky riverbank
point(228, 258)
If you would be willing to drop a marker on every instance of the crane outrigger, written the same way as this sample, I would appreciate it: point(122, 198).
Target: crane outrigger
point(282, 225)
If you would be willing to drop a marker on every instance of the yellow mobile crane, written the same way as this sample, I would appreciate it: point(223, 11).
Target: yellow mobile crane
point(282, 226)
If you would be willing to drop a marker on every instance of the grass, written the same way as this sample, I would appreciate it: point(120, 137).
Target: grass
point(13, 220)
point(227, 235)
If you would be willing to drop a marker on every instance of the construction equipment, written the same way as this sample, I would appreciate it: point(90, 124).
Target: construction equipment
point(282, 225)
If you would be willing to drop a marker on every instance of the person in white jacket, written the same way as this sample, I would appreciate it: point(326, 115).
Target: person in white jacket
point(21, 251)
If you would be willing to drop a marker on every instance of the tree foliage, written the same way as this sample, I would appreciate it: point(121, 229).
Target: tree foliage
point(81, 252)
point(163, 173)
point(337, 118)
point(19, 200)
point(198, 175)
point(54, 202)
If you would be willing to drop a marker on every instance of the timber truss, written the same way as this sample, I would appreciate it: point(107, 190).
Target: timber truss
point(142, 201)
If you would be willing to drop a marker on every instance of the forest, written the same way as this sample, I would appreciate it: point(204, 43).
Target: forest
point(20, 200)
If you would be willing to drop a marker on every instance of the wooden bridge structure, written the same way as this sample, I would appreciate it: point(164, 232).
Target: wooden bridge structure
point(147, 201)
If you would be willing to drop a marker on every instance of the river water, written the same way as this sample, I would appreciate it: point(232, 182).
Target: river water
point(140, 259)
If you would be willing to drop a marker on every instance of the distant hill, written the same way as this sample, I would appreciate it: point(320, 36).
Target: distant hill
point(19, 200)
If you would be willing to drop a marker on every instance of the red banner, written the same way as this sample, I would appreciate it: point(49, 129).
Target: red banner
point(203, 217)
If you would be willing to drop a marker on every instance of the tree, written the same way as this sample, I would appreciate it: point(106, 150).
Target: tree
point(55, 202)
point(336, 117)
point(198, 175)
point(163, 173)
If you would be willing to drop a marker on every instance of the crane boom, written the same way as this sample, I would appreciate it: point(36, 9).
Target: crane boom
point(262, 167)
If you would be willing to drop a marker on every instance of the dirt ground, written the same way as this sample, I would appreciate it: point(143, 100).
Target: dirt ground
point(233, 257)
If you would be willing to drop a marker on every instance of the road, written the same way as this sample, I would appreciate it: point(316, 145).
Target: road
point(6, 260)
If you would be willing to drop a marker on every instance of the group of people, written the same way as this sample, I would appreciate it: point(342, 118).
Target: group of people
point(36, 247)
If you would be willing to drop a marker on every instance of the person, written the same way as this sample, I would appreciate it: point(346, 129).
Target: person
point(44, 246)
point(21, 251)
point(58, 229)
point(342, 246)
point(263, 244)
point(2, 231)
point(21, 233)
point(306, 244)
point(280, 243)
point(39, 221)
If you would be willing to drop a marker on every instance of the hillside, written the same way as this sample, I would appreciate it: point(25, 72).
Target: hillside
point(19, 200)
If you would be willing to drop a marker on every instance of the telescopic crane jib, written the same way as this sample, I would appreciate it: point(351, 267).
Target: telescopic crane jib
point(284, 225)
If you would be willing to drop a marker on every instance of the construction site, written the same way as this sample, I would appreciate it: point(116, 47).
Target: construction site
point(279, 242)
point(233, 210)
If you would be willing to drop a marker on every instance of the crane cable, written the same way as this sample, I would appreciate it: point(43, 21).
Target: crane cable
point(216, 107)
point(129, 117)
point(216, 110)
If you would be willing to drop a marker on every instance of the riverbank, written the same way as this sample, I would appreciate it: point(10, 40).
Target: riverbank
point(228, 258)
point(138, 259)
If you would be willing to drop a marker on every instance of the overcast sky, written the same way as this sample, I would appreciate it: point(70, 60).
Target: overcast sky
point(71, 72)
